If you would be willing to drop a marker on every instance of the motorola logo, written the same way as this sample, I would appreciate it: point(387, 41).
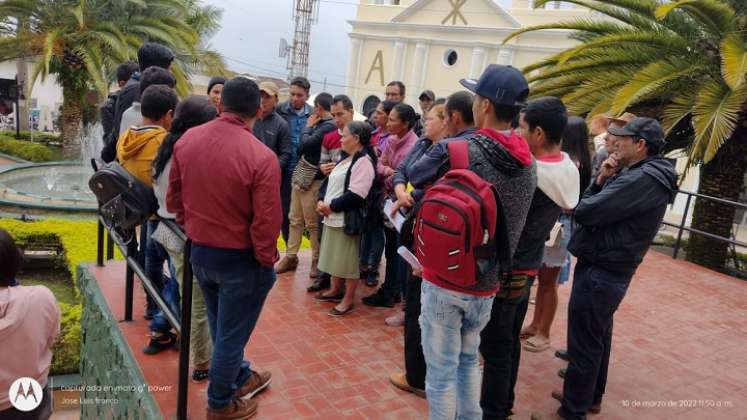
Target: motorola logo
point(25, 394)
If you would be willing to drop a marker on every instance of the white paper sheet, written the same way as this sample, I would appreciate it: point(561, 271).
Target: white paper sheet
point(398, 218)
point(410, 258)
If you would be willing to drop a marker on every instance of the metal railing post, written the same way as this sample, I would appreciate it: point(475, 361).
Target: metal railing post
point(109, 247)
point(130, 280)
point(682, 227)
point(100, 245)
point(184, 340)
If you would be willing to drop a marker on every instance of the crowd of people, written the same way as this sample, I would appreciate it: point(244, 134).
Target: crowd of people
point(236, 168)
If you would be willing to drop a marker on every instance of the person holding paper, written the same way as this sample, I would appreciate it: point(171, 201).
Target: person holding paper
point(401, 140)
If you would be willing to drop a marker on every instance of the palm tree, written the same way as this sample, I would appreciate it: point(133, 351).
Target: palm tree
point(684, 62)
point(81, 42)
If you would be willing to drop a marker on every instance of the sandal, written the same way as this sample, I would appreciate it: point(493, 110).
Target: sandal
point(336, 298)
point(335, 312)
point(527, 332)
point(537, 344)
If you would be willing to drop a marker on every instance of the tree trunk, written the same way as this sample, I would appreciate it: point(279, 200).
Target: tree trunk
point(22, 71)
point(723, 177)
point(71, 123)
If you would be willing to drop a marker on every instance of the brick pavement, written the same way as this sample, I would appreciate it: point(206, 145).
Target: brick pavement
point(679, 339)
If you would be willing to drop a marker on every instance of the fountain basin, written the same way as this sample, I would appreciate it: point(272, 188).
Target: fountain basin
point(52, 186)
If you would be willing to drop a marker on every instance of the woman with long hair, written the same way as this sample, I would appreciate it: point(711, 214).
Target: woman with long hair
point(191, 112)
point(556, 262)
point(345, 190)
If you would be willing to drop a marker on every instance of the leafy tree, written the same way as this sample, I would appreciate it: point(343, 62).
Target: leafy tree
point(684, 62)
point(81, 42)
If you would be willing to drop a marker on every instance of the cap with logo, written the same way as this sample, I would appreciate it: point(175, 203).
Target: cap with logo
point(642, 128)
point(269, 88)
point(503, 85)
point(428, 95)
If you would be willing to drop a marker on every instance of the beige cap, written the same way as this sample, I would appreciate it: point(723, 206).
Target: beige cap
point(622, 119)
point(269, 88)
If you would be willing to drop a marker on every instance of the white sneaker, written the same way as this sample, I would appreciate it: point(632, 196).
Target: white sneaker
point(396, 320)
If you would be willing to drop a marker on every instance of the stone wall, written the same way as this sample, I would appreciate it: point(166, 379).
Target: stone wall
point(113, 386)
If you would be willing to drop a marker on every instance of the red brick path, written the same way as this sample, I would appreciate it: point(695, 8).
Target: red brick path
point(680, 338)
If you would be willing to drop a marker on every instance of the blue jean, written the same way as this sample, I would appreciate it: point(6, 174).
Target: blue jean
point(153, 259)
point(234, 296)
point(372, 248)
point(451, 323)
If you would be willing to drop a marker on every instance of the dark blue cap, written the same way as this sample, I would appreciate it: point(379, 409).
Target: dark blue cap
point(642, 128)
point(503, 85)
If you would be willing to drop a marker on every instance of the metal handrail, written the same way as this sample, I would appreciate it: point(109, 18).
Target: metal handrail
point(681, 228)
point(182, 325)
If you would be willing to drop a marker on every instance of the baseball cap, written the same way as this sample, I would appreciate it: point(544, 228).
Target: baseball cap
point(269, 88)
point(428, 94)
point(503, 85)
point(643, 128)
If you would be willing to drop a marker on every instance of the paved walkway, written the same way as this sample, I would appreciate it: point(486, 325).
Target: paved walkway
point(678, 352)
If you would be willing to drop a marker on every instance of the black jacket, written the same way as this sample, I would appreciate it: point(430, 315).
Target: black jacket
point(274, 133)
point(311, 140)
point(106, 114)
point(616, 223)
point(129, 94)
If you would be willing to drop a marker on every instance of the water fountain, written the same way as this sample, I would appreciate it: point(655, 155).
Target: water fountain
point(54, 186)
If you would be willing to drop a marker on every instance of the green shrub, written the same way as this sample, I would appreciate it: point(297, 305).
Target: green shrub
point(38, 136)
point(66, 349)
point(78, 240)
point(26, 150)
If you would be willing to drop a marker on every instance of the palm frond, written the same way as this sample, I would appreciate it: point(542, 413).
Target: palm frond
point(666, 44)
point(679, 107)
point(715, 15)
point(734, 60)
point(651, 79)
point(715, 115)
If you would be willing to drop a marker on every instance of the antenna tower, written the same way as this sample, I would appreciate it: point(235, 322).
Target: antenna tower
point(305, 13)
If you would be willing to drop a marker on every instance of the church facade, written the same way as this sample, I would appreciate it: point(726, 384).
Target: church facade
point(431, 44)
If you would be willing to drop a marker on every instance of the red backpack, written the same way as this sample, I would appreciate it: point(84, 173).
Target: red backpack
point(455, 226)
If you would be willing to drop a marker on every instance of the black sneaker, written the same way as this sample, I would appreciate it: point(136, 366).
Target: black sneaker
point(378, 300)
point(161, 343)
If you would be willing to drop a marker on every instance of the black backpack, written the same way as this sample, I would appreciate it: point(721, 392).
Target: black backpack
point(125, 201)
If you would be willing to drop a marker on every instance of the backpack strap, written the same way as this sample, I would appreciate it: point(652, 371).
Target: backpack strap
point(505, 257)
point(459, 154)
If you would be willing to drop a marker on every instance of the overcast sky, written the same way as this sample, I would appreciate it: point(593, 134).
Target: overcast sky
point(251, 31)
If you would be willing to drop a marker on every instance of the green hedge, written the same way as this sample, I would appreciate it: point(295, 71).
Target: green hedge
point(38, 136)
point(26, 150)
point(78, 239)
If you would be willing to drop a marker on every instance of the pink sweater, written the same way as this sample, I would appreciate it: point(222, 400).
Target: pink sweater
point(394, 153)
point(29, 323)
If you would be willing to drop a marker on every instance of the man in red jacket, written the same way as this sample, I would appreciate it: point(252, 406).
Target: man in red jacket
point(224, 188)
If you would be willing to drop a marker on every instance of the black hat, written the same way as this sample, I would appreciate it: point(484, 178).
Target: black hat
point(503, 85)
point(428, 94)
point(217, 80)
point(642, 128)
point(154, 54)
